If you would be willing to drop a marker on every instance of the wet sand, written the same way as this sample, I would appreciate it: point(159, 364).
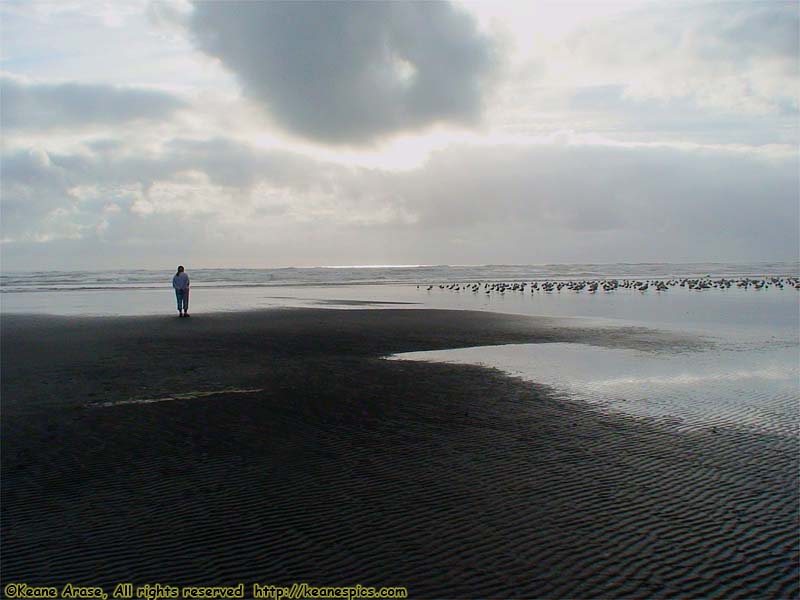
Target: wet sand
point(278, 446)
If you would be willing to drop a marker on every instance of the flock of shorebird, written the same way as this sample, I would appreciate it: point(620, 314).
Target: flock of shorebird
point(609, 285)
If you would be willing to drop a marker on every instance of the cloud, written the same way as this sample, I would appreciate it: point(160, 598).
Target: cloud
point(351, 72)
point(737, 57)
point(595, 188)
point(46, 197)
point(36, 106)
point(550, 202)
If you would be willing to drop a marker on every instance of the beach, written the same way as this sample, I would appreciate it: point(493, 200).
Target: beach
point(448, 300)
point(279, 446)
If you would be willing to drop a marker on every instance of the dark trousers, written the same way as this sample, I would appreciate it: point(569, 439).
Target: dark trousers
point(183, 300)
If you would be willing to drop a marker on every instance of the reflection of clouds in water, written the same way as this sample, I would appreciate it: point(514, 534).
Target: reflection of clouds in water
point(756, 388)
point(776, 373)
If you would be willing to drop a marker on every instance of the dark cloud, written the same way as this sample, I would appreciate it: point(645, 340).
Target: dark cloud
point(35, 106)
point(351, 72)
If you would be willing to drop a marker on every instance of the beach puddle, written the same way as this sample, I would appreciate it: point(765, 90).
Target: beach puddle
point(173, 397)
point(756, 387)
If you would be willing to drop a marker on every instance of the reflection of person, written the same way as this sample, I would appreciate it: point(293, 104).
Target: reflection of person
point(181, 284)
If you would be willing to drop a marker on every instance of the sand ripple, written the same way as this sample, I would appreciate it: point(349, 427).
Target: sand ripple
point(329, 465)
point(403, 489)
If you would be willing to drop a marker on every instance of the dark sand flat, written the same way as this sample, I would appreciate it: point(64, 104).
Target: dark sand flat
point(279, 447)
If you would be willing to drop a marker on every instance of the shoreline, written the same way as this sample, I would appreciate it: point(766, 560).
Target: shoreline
point(333, 466)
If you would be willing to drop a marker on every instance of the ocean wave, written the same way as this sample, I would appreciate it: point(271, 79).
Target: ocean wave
point(58, 281)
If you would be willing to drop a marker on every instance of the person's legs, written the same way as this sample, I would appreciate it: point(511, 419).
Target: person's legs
point(179, 298)
point(186, 302)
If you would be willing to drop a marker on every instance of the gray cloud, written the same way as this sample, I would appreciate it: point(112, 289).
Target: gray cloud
point(540, 203)
point(35, 106)
point(30, 187)
point(740, 58)
point(747, 31)
point(688, 195)
point(723, 32)
point(351, 72)
point(201, 178)
point(608, 109)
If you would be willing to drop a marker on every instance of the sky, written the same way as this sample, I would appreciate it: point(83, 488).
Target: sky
point(143, 134)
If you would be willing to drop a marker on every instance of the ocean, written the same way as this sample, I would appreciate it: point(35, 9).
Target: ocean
point(746, 373)
point(140, 292)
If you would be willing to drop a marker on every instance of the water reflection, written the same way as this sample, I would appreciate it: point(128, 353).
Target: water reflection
point(757, 387)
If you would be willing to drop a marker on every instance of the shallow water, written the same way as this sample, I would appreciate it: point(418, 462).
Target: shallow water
point(707, 310)
point(754, 386)
point(750, 376)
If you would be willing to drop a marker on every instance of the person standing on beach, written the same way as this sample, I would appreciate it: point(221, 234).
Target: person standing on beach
point(181, 284)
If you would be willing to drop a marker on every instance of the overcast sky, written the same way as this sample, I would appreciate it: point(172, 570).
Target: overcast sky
point(141, 134)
